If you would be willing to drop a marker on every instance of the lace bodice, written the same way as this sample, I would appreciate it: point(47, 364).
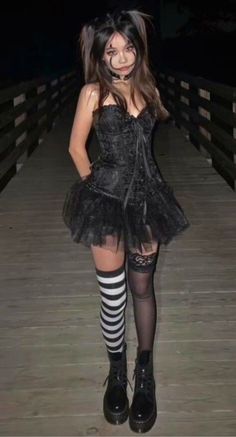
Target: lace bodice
point(125, 163)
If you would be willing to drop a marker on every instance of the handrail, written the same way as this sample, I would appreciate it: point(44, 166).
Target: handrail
point(27, 111)
point(207, 111)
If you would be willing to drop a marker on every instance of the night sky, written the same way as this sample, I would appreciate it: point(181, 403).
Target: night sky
point(39, 38)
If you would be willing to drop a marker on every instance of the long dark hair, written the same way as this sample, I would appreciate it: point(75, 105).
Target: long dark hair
point(92, 41)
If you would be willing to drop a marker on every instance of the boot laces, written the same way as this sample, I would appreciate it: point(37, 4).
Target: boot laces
point(144, 379)
point(117, 375)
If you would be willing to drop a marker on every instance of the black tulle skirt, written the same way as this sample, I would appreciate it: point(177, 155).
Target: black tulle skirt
point(95, 217)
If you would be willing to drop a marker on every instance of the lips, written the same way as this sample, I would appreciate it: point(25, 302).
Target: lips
point(123, 68)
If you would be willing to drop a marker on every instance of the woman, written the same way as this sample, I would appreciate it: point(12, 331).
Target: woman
point(122, 208)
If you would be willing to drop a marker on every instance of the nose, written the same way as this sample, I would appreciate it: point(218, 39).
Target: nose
point(122, 58)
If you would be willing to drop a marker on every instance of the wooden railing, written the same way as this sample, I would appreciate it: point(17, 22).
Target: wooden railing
point(27, 111)
point(207, 111)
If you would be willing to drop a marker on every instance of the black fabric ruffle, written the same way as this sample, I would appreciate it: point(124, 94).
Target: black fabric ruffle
point(95, 217)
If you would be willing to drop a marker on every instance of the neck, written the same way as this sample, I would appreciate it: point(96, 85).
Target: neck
point(121, 77)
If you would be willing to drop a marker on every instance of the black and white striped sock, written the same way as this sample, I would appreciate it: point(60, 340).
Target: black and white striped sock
point(113, 292)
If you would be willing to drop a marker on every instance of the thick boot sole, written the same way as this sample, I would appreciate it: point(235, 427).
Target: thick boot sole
point(140, 426)
point(115, 418)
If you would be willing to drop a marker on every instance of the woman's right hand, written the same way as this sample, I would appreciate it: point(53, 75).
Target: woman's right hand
point(85, 177)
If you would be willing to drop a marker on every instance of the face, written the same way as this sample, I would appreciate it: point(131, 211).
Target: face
point(119, 54)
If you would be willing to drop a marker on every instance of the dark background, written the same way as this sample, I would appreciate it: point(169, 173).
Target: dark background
point(40, 38)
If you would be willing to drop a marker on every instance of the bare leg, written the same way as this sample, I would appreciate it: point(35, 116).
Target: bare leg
point(105, 259)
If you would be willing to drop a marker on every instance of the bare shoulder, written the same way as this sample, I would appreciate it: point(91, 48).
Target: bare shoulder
point(89, 94)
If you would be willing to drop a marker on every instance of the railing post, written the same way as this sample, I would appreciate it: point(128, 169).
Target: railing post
point(193, 93)
point(234, 127)
point(177, 100)
point(8, 106)
point(49, 105)
point(204, 94)
point(20, 100)
point(32, 93)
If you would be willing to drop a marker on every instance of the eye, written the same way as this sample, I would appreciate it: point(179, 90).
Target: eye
point(130, 47)
point(110, 53)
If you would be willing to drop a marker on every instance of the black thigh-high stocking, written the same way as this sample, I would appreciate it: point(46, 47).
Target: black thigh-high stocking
point(140, 278)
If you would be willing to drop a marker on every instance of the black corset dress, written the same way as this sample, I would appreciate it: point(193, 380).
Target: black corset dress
point(125, 201)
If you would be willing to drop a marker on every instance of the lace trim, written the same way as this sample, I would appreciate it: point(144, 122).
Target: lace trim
point(137, 260)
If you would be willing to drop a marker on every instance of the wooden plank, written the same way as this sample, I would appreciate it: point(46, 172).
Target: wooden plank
point(72, 401)
point(166, 425)
point(67, 354)
point(82, 375)
point(91, 299)
point(177, 331)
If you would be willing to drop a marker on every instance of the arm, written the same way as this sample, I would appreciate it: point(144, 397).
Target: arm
point(81, 127)
point(162, 106)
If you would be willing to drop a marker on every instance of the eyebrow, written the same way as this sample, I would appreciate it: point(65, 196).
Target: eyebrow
point(111, 47)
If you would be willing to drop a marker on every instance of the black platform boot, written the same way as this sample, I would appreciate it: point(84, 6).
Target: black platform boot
point(143, 410)
point(115, 401)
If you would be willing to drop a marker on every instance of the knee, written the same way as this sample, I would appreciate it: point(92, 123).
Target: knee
point(108, 276)
point(112, 286)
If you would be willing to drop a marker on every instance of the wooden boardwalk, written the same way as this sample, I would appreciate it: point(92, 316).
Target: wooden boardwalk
point(53, 358)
